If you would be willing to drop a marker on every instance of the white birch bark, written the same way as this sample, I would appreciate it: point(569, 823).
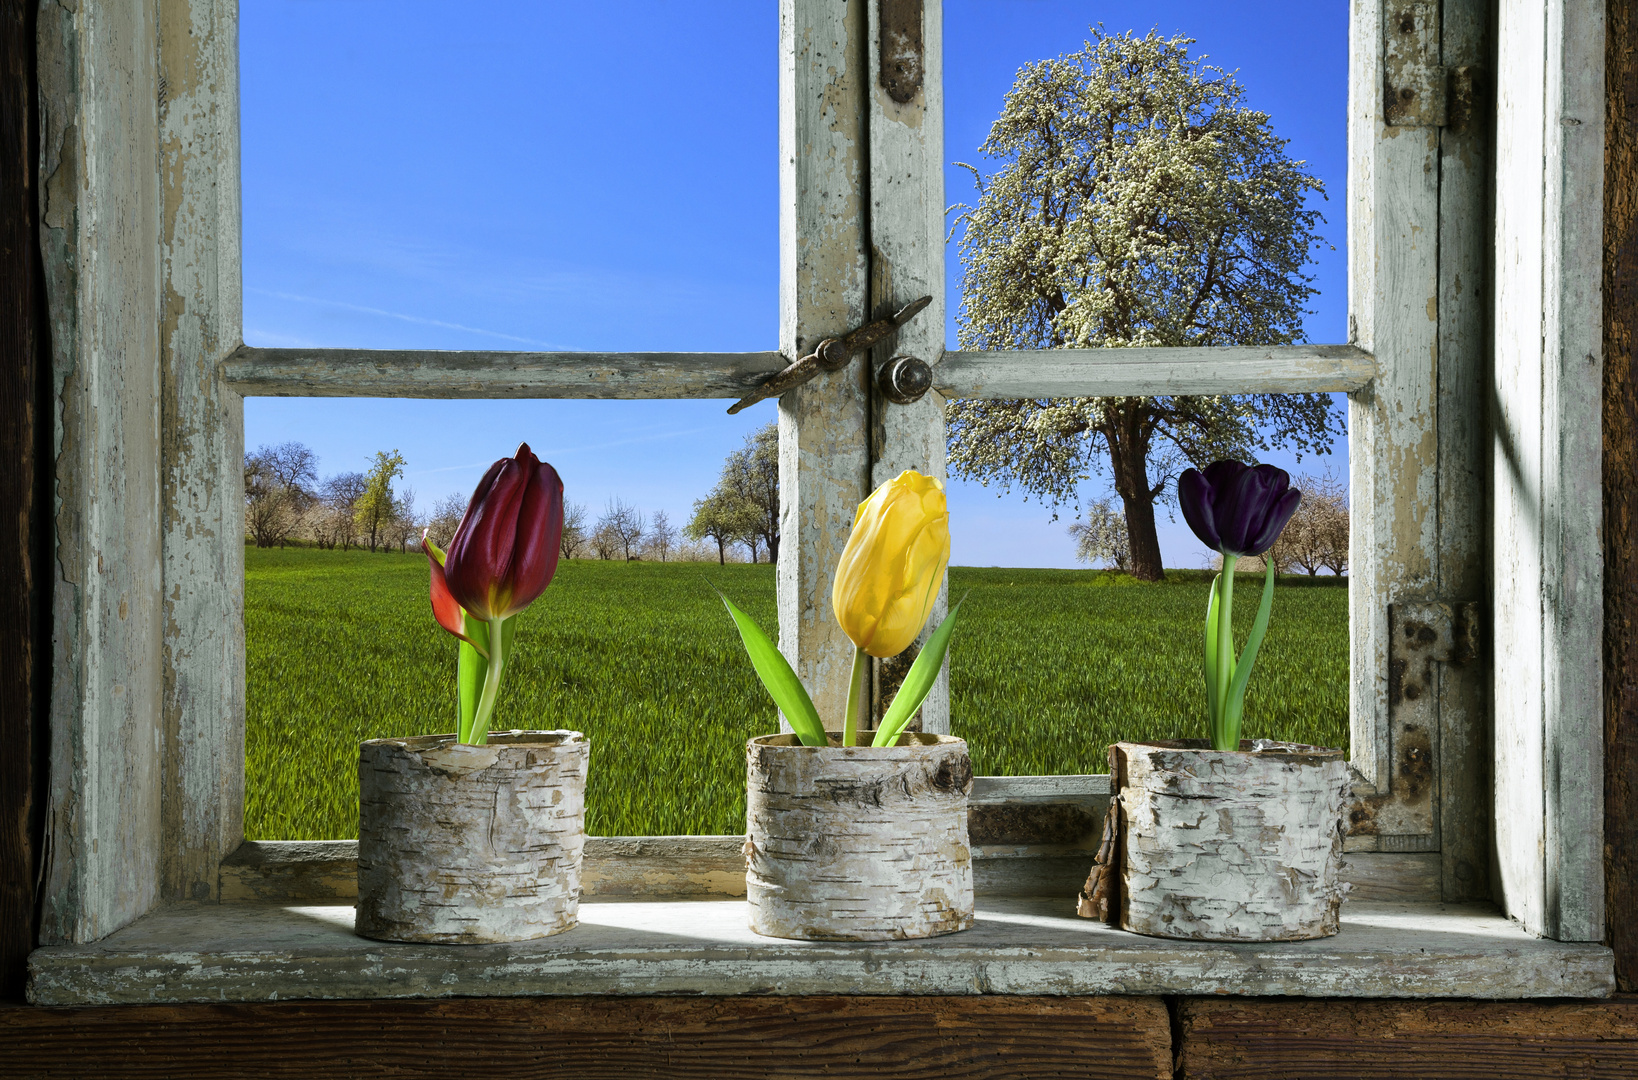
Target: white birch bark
point(1231, 846)
point(858, 844)
point(471, 844)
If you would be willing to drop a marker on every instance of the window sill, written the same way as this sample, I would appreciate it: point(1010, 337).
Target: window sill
point(265, 952)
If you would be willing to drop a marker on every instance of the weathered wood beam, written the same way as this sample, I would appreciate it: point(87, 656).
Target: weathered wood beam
point(201, 447)
point(906, 135)
point(1042, 373)
point(1546, 406)
point(628, 1038)
point(25, 446)
point(419, 373)
point(1620, 422)
point(824, 456)
point(255, 371)
point(1483, 1040)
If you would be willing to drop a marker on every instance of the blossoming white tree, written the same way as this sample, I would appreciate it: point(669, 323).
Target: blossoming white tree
point(1138, 202)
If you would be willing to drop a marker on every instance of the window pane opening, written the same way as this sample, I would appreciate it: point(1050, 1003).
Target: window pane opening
point(1073, 653)
point(543, 177)
point(628, 644)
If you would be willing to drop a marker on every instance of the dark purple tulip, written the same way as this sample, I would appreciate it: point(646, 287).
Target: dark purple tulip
point(1237, 509)
point(504, 551)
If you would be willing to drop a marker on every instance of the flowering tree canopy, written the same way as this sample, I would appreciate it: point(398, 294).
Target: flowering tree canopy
point(1138, 202)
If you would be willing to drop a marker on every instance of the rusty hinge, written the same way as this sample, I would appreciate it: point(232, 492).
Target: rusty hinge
point(833, 354)
point(901, 48)
point(1421, 634)
point(1419, 91)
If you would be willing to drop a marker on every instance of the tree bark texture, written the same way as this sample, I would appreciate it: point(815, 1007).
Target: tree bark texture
point(858, 843)
point(1230, 846)
point(463, 844)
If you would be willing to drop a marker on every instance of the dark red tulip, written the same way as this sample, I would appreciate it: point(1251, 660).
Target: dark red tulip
point(504, 551)
point(1237, 509)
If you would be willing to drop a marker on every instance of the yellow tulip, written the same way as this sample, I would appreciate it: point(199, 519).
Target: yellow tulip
point(889, 575)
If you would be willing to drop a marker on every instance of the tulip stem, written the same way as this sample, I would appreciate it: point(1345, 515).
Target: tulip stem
point(1221, 737)
point(491, 683)
point(856, 703)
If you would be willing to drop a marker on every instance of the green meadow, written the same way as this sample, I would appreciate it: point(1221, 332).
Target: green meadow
point(1047, 668)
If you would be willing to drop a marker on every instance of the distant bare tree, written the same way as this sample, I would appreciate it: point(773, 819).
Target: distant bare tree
point(446, 515)
point(1316, 537)
point(1103, 537)
point(294, 467)
point(624, 521)
point(661, 535)
point(270, 512)
point(404, 527)
point(574, 530)
point(605, 542)
point(335, 520)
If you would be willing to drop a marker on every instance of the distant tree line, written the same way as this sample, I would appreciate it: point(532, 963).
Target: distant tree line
point(286, 503)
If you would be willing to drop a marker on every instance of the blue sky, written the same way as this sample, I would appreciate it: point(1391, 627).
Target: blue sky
point(556, 176)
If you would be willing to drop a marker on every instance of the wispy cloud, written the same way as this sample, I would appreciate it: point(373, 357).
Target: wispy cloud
point(400, 316)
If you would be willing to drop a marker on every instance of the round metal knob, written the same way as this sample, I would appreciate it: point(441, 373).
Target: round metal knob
point(904, 379)
point(833, 354)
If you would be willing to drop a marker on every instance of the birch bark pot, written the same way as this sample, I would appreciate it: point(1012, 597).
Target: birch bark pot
point(471, 844)
point(1224, 845)
point(858, 843)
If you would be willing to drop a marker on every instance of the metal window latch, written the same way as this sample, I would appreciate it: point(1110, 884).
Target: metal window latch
point(833, 354)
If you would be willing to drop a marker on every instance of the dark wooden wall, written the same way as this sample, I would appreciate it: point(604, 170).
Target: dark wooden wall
point(727, 1038)
point(1621, 488)
point(24, 422)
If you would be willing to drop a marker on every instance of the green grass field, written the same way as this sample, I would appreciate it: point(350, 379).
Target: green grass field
point(1047, 668)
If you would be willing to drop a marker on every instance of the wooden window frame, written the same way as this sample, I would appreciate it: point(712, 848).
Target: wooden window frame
point(140, 235)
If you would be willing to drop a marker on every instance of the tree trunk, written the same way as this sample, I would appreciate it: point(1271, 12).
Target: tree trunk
point(1126, 430)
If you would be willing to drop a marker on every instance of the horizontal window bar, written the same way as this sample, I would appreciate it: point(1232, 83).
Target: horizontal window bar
point(416, 373)
point(1043, 373)
point(419, 373)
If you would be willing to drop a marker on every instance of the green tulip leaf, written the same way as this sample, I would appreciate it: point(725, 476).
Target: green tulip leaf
point(469, 675)
point(781, 682)
point(1235, 706)
point(919, 682)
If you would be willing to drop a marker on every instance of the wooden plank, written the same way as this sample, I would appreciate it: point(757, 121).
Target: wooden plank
point(1620, 432)
point(1248, 369)
point(824, 456)
point(254, 952)
point(415, 373)
point(24, 449)
point(1572, 586)
point(1548, 579)
point(265, 372)
point(1409, 877)
point(907, 234)
point(202, 446)
point(1380, 1040)
point(1393, 295)
point(1517, 417)
point(1025, 847)
point(620, 1039)
point(1466, 234)
point(100, 237)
